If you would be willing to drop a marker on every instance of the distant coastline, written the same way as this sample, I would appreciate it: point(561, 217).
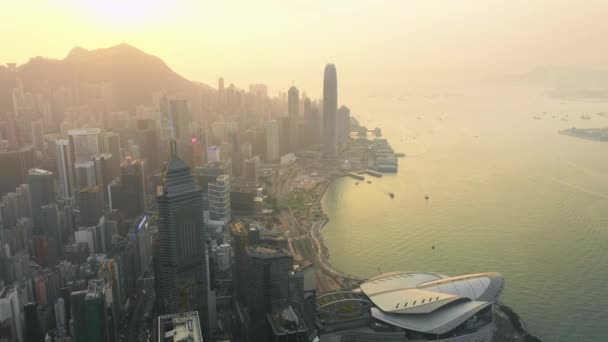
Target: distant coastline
point(596, 134)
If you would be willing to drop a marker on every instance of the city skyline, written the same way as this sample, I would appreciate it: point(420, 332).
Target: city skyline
point(269, 172)
point(428, 56)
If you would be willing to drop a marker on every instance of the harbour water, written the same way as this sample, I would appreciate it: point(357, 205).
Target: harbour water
point(506, 193)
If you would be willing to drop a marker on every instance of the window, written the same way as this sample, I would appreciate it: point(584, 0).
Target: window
point(437, 298)
point(397, 306)
point(414, 303)
point(423, 301)
point(405, 305)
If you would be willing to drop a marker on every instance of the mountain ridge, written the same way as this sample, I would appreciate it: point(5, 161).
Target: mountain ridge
point(134, 74)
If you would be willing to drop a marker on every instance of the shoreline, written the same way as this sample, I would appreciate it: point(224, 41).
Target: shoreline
point(317, 237)
point(510, 326)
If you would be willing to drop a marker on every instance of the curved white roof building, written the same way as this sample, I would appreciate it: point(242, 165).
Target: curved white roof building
point(407, 306)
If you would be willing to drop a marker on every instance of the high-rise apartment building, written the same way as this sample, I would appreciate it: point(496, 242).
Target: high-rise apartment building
point(10, 311)
point(65, 169)
point(219, 199)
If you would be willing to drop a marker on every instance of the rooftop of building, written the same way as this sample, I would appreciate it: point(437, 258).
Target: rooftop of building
point(6, 291)
point(266, 251)
point(87, 163)
point(286, 320)
point(84, 131)
point(428, 302)
point(39, 172)
point(131, 162)
point(95, 288)
point(239, 227)
point(218, 164)
point(180, 327)
point(94, 188)
point(102, 156)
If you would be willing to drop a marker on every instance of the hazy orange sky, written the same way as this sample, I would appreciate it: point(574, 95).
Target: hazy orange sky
point(400, 44)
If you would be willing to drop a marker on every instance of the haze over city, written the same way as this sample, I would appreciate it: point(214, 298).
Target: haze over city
point(403, 45)
point(319, 171)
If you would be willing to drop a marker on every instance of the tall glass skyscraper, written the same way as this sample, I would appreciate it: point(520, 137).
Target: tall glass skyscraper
point(184, 282)
point(330, 108)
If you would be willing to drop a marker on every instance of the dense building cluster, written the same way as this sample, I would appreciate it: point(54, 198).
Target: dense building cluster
point(114, 215)
point(154, 222)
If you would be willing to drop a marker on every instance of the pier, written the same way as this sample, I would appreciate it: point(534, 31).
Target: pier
point(356, 176)
point(373, 173)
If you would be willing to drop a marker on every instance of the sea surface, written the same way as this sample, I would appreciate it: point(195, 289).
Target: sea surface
point(507, 193)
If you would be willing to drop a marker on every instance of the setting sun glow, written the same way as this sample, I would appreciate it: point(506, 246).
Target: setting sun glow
point(123, 13)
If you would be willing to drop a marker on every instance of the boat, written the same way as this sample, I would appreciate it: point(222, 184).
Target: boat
point(585, 117)
point(392, 195)
point(369, 182)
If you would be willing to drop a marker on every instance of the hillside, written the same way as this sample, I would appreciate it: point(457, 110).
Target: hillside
point(134, 74)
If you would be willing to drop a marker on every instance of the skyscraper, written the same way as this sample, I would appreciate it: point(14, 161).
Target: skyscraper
point(32, 323)
point(343, 124)
point(85, 175)
point(285, 134)
point(65, 169)
point(104, 173)
point(90, 203)
point(128, 193)
point(181, 124)
point(236, 155)
point(250, 171)
point(79, 319)
point(94, 304)
point(268, 283)
point(50, 221)
point(184, 275)
point(272, 140)
point(330, 108)
point(10, 310)
point(219, 199)
point(38, 135)
point(42, 192)
point(293, 108)
point(84, 143)
point(15, 166)
point(293, 102)
point(148, 138)
point(111, 144)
